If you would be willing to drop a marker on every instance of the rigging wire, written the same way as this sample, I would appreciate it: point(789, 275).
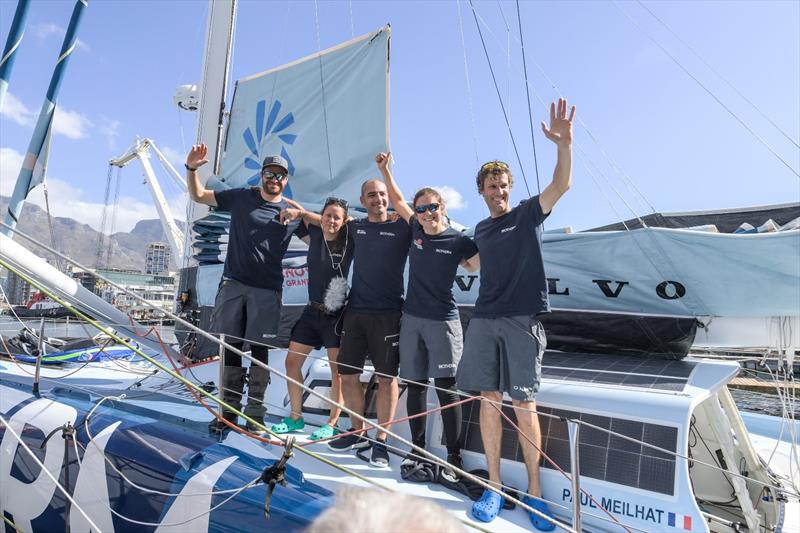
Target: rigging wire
point(508, 62)
point(706, 89)
point(528, 95)
point(114, 210)
point(103, 215)
point(352, 26)
point(324, 106)
point(695, 304)
point(500, 98)
point(617, 169)
point(719, 74)
point(470, 105)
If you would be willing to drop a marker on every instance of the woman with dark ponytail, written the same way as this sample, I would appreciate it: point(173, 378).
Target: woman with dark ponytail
point(330, 254)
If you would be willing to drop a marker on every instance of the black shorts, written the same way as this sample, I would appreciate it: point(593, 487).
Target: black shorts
point(315, 328)
point(373, 334)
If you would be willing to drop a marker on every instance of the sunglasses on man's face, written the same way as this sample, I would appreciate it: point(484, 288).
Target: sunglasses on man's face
point(420, 209)
point(494, 165)
point(277, 176)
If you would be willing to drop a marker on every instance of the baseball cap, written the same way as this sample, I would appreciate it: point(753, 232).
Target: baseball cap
point(277, 161)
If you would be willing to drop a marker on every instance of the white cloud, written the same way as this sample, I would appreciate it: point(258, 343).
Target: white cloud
point(14, 109)
point(109, 128)
point(128, 212)
point(10, 163)
point(71, 124)
point(452, 198)
point(47, 29)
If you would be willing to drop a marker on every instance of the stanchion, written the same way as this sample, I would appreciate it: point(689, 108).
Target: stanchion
point(39, 358)
point(574, 455)
point(221, 382)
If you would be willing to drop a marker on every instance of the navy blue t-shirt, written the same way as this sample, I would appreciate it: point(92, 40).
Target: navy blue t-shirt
point(512, 269)
point(381, 249)
point(433, 261)
point(327, 262)
point(258, 241)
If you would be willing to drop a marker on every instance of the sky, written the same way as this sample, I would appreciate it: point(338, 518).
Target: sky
point(647, 136)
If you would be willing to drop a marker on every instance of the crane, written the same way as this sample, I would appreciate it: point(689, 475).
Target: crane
point(141, 151)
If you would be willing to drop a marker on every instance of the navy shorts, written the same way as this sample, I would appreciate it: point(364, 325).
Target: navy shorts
point(503, 355)
point(373, 334)
point(315, 328)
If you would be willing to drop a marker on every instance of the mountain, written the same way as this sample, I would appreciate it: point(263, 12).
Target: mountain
point(80, 242)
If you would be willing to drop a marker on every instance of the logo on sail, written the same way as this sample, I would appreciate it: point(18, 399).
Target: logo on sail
point(266, 128)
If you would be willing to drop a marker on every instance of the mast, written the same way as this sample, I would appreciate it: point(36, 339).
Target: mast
point(25, 181)
point(212, 92)
point(15, 34)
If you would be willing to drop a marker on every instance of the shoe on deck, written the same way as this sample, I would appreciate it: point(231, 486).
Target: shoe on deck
point(380, 455)
point(325, 432)
point(288, 425)
point(538, 522)
point(488, 507)
point(348, 442)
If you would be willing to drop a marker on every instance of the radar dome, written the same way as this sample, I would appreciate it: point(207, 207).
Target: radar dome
point(187, 97)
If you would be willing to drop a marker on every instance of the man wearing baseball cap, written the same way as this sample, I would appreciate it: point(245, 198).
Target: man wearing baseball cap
point(248, 304)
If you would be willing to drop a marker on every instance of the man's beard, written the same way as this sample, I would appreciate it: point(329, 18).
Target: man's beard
point(272, 187)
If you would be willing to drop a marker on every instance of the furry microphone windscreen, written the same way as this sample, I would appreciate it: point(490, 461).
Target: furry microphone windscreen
point(336, 294)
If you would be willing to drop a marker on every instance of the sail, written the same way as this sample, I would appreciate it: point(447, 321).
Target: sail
point(668, 272)
point(326, 114)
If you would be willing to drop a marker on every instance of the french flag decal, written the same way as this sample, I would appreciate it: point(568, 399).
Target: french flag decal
point(679, 520)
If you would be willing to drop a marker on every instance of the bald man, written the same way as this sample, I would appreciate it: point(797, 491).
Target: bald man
point(371, 324)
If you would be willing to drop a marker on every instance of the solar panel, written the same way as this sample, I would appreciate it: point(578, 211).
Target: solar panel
point(602, 456)
point(659, 374)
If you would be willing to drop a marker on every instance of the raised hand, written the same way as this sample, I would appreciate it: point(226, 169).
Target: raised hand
point(197, 156)
point(560, 130)
point(382, 160)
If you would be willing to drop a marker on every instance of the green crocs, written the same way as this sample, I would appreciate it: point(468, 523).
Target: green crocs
point(289, 425)
point(325, 432)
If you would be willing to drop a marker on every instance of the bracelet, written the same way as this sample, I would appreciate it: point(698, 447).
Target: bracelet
point(190, 168)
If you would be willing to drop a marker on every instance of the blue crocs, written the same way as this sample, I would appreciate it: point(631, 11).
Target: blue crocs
point(488, 507)
point(538, 522)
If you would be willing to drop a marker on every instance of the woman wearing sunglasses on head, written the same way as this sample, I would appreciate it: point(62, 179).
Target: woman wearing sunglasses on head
point(330, 254)
point(430, 333)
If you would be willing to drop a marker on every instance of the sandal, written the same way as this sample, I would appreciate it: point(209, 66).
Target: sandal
point(289, 425)
point(538, 522)
point(488, 507)
point(325, 432)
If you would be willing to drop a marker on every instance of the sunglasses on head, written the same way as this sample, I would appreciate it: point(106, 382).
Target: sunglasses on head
point(277, 176)
point(332, 200)
point(494, 165)
point(420, 209)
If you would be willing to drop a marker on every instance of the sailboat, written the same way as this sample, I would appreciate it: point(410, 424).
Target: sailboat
point(660, 446)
